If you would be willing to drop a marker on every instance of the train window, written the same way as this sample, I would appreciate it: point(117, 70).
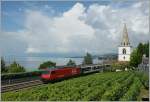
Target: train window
point(86, 68)
point(89, 67)
point(97, 67)
point(94, 68)
point(107, 65)
point(53, 72)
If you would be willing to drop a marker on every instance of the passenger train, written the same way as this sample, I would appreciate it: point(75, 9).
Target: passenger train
point(52, 74)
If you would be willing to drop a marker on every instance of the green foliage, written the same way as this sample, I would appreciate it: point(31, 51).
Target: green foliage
point(118, 88)
point(71, 63)
point(94, 87)
point(140, 48)
point(145, 81)
point(146, 49)
point(144, 78)
point(47, 64)
point(20, 75)
point(88, 59)
point(133, 91)
point(15, 68)
point(3, 66)
point(136, 55)
point(143, 49)
point(12, 68)
point(135, 58)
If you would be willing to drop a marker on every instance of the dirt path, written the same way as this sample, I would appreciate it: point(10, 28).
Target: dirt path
point(144, 95)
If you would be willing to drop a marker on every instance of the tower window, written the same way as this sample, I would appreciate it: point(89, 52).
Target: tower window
point(124, 51)
point(124, 57)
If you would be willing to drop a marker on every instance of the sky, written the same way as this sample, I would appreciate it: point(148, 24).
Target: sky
point(71, 27)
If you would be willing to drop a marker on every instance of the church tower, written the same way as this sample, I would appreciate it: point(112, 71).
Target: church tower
point(124, 50)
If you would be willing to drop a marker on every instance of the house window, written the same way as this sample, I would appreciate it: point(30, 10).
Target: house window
point(124, 51)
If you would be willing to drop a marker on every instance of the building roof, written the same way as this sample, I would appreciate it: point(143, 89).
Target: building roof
point(125, 38)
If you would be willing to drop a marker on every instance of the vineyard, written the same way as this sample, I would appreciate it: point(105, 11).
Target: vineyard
point(94, 87)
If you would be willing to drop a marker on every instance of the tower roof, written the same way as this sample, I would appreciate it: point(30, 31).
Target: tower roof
point(125, 38)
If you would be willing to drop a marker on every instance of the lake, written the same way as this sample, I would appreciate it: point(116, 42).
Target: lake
point(32, 63)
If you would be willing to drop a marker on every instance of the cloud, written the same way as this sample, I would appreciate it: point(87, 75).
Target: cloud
point(109, 24)
point(97, 29)
point(57, 34)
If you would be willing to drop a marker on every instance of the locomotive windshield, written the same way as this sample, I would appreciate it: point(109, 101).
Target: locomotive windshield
point(45, 72)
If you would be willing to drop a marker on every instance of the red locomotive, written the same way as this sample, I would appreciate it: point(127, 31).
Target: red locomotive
point(59, 73)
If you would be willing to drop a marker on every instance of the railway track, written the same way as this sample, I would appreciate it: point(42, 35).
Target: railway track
point(17, 86)
point(18, 80)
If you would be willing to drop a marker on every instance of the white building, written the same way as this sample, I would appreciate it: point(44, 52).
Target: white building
point(124, 50)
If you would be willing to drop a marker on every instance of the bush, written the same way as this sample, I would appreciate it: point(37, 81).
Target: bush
point(20, 75)
point(47, 64)
point(120, 65)
point(15, 68)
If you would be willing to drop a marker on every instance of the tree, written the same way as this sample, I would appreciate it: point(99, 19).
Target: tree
point(15, 68)
point(146, 49)
point(135, 58)
point(140, 48)
point(71, 63)
point(136, 55)
point(140, 51)
point(88, 59)
point(47, 64)
point(3, 66)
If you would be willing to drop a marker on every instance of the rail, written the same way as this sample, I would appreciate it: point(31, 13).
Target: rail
point(15, 87)
point(18, 80)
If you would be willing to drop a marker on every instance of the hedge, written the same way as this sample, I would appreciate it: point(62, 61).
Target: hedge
point(21, 75)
